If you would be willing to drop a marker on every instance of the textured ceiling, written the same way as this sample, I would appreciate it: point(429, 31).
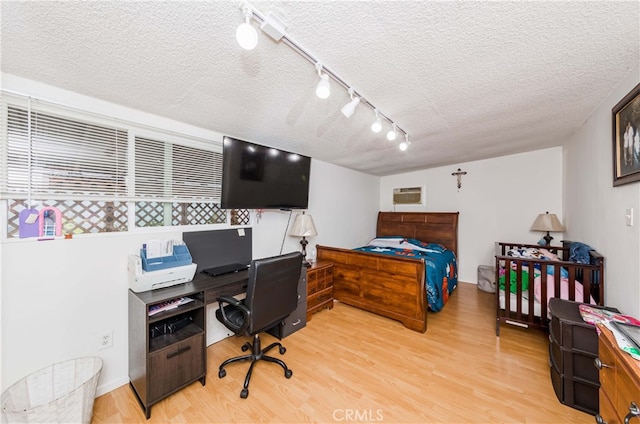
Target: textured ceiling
point(465, 80)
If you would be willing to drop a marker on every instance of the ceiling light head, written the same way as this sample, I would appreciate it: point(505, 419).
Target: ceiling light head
point(349, 108)
point(323, 89)
point(391, 135)
point(405, 144)
point(246, 35)
point(376, 127)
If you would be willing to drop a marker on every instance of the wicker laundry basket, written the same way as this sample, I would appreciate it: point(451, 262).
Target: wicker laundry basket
point(61, 393)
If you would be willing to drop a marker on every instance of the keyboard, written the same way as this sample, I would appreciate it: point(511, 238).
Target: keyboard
point(224, 269)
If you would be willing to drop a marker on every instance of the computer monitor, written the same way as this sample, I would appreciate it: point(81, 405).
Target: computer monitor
point(219, 248)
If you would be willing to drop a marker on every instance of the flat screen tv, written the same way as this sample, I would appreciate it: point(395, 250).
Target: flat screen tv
point(260, 177)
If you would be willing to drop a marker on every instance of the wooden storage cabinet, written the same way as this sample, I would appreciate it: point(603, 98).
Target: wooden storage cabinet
point(620, 382)
point(319, 287)
point(166, 349)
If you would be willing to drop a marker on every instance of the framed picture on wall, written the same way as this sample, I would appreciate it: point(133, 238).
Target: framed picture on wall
point(626, 138)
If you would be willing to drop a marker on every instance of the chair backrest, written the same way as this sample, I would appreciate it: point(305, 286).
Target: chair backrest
point(272, 290)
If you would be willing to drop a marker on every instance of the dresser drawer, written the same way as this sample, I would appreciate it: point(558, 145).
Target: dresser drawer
point(320, 287)
point(628, 392)
point(319, 298)
point(607, 373)
point(175, 366)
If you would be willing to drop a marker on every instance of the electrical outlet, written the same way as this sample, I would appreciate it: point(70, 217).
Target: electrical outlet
point(105, 340)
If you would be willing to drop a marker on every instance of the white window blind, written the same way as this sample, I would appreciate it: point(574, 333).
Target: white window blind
point(59, 158)
point(172, 172)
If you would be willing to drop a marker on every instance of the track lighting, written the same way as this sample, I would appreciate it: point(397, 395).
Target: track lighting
point(323, 89)
point(349, 108)
point(377, 125)
point(405, 144)
point(246, 35)
point(391, 135)
point(275, 27)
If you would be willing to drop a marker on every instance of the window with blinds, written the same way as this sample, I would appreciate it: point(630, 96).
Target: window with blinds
point(180, 185)
point(63, 159)
point(166, 171)
point(91, 173)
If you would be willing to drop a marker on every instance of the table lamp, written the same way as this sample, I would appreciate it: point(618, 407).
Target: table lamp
point(547, 222)
point(303, 227)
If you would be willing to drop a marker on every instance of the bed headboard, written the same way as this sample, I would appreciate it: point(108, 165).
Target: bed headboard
point(432, 227)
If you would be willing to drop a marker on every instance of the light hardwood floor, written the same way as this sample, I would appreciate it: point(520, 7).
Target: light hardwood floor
point(353, 366)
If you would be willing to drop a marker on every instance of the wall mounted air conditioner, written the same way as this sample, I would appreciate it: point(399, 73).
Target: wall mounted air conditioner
point(407, 196)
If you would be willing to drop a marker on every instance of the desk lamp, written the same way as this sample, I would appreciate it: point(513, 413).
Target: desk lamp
point(303, 227)
point(547, 222)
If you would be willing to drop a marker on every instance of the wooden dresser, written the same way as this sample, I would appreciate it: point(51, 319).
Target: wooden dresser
point(619, 382)
point(319, 287)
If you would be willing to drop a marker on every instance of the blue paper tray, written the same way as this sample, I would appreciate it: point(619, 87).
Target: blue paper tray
point(180, 257)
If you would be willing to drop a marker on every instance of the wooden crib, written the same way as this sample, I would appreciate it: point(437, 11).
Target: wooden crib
point(525, 304)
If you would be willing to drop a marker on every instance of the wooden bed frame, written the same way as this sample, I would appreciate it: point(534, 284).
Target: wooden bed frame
point(591, 276)
point(390, 286)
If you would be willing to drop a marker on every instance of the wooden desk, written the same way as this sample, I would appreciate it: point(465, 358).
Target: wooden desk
point(619, 382)
point(167, 351)
point(175, 356)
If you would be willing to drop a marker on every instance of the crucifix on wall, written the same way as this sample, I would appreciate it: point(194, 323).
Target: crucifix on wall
point(458, 174)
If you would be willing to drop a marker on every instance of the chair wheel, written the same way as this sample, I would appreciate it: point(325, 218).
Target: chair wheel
point(222, 373)
point(245, 347)
point(244, 393)
point(288, 373)
point(282, 350)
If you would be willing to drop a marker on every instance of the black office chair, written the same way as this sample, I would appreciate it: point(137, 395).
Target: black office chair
point(271, 296)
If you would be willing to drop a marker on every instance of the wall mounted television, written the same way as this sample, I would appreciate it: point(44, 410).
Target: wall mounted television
point(260, 177)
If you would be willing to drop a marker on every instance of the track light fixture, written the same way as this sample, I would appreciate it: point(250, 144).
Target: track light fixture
point(377, 125)
point(323, 89)
point(246, 35)
point(405, 144)
point(392, 134)
point(275, 27)
point(349, 108)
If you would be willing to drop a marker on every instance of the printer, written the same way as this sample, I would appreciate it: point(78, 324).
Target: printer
point(154, 273)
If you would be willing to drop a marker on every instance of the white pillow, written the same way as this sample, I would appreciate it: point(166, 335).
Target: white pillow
point(392, 242)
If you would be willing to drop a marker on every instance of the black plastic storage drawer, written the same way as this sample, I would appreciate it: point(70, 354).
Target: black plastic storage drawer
point(574, 392)
point(581, 395)
point(573, 363)
point(568, 328)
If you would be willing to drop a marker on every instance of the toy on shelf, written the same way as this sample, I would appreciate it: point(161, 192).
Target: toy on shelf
point(50, 222)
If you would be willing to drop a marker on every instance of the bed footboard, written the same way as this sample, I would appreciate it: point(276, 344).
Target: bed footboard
point(524, 285)
point(388, 286)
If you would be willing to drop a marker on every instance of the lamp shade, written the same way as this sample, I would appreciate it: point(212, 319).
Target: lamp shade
point(349, 108)
point(246, 36)
point(547, 222)
point(323, 89)
point(303, 227)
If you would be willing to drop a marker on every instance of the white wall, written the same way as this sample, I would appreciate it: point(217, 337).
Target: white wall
point(344, 207)
point(595, 210)
point(498, 201)
point(57, 296)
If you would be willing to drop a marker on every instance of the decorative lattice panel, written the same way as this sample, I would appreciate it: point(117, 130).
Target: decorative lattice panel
point(93, 216)
point(203, 213)
point(151, 214)
point(240, 217)
point(78, 216)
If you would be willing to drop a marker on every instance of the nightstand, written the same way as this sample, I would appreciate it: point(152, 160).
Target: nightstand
point(319, 287)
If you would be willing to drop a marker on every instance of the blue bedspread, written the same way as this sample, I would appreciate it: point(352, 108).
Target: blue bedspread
point(441, 267)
